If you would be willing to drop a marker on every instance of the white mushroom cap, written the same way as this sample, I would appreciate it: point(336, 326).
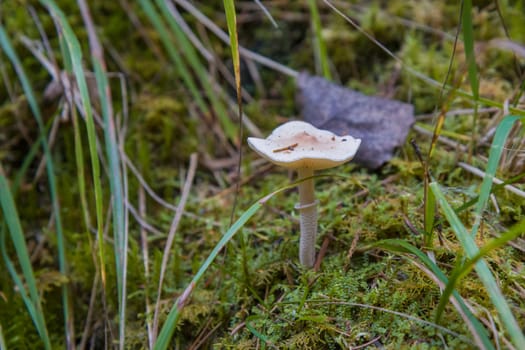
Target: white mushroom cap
point(298, 144)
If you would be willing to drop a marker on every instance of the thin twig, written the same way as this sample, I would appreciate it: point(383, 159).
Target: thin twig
point(361, 9)
point(442, 139)
point(171, 236)
point(91, 309)
point(141, 220)
point(267, 13)
point(497, 181)
point(145, 185)
point(365, 345)
point(66, 82)
point(331, 301)
point(229, 77)
point(256, 77)
point(225, 38)
point(125, 228)
point(457, 112)
point(145, 259)
point(187, 30)
point(246, 121)
point(155, 197)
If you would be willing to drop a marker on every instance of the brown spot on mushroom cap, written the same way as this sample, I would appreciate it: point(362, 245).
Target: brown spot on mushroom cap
point(313, 148)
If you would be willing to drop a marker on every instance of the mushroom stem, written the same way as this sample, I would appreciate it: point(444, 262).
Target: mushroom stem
point(308, 218)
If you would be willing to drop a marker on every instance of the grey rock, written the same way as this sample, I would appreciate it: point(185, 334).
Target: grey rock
point(381, 124)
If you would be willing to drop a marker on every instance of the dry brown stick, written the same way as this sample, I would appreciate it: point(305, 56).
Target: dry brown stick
point(171, 236)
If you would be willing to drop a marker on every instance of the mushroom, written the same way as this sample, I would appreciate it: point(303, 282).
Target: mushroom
point(301, 146)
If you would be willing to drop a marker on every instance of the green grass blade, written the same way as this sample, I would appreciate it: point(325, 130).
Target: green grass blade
point(75, 53)
point(79, 162)
point(423, 77)
point(182, 68)
point(168, 328)
point(429, 214)
point(401, 246)
point(202, 73)
point(117, 191)
point(468, 244)
point(31, 308)
point(497, 187)
point(33, 105)
point(498, 143)
point(500, 136)
point(231, 20)
point(429, 201)
point(2, 339)
point(468, 39)
point(463, 269)
point(79, 154)
point(320, 46)
point(249, 320)
point(32, 301)
point(120, 236)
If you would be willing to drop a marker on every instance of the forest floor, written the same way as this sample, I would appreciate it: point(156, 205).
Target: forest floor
point(113, 202)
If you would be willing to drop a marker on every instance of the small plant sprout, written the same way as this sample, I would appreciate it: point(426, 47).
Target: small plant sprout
point(299, 145)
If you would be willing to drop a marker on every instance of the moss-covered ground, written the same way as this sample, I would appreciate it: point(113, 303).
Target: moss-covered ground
point(256, 295)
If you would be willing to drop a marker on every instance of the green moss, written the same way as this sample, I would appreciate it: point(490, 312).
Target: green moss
point(255, 294)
